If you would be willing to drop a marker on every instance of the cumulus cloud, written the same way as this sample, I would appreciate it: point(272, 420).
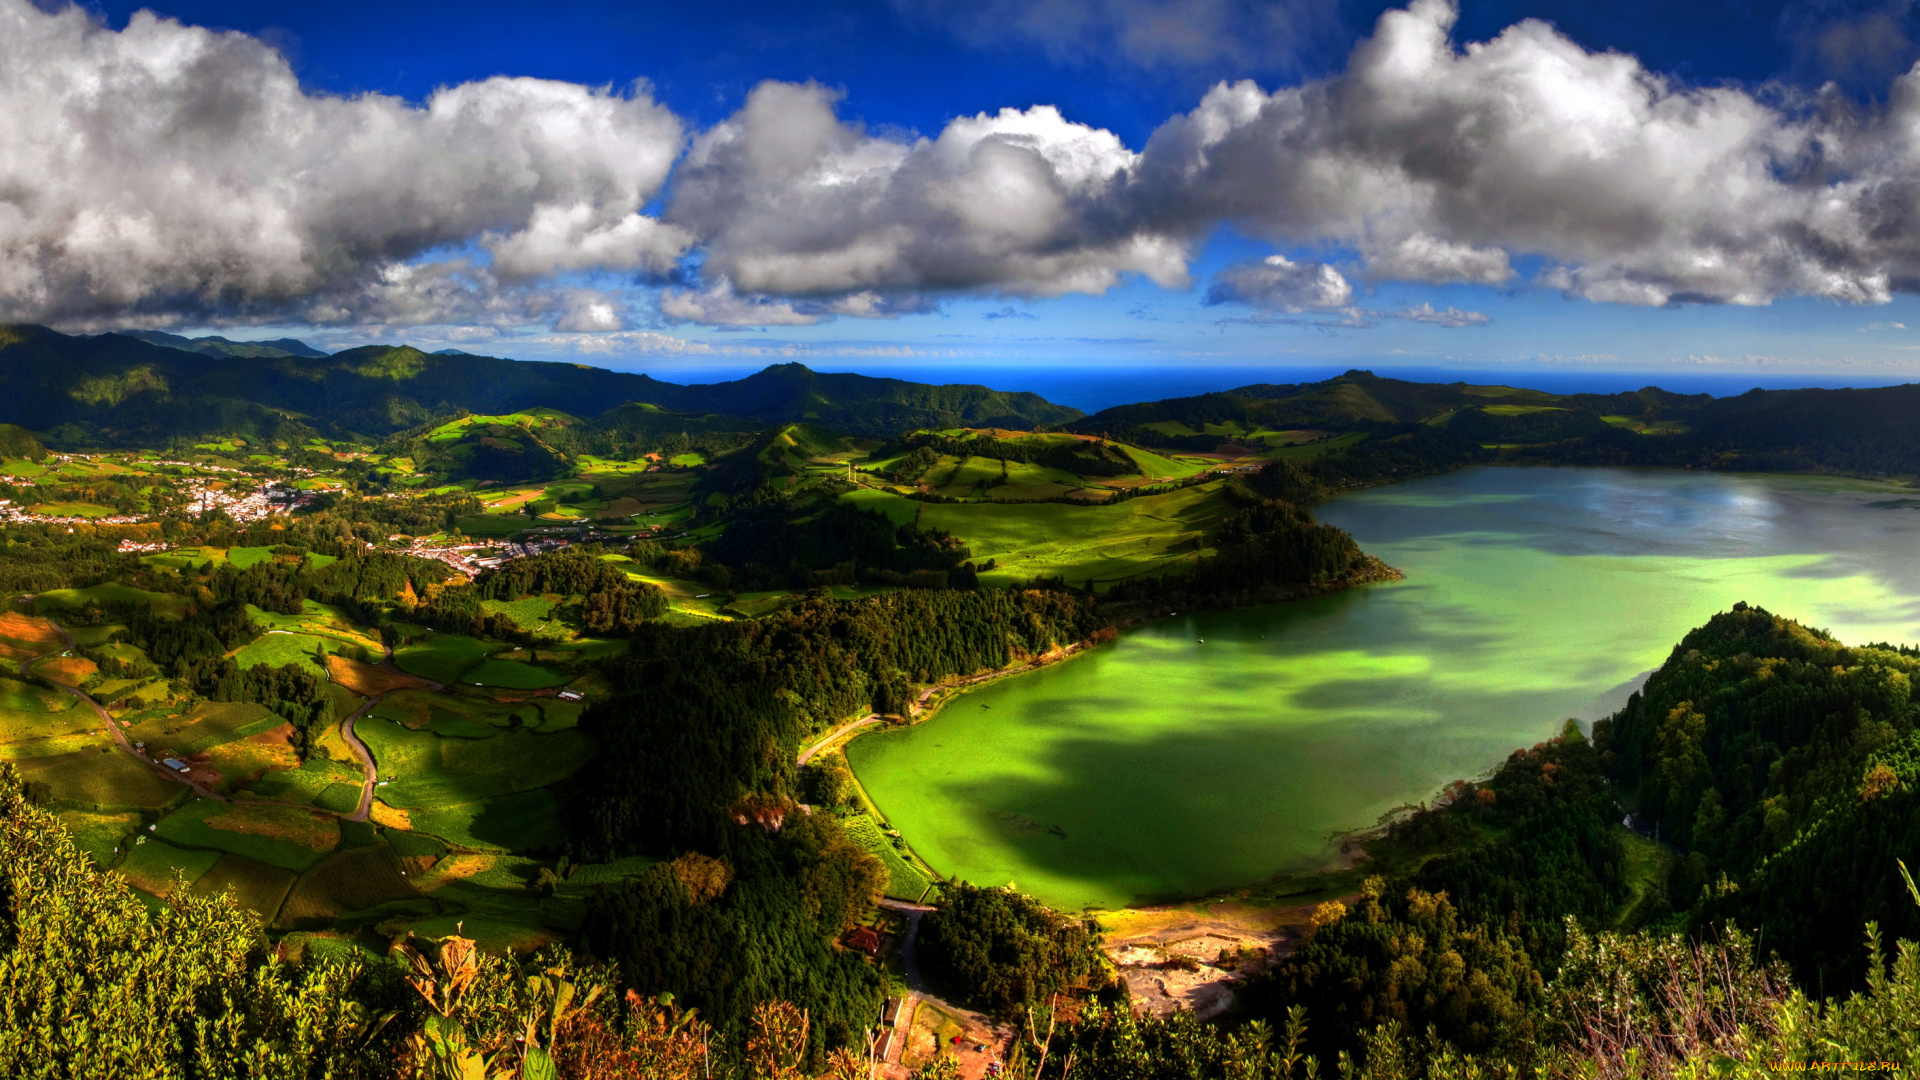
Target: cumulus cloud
point(588, 312)
point(1437, 163)
point(1282, 284)
point(167, 171)
point(720, 307)
point(789, 199)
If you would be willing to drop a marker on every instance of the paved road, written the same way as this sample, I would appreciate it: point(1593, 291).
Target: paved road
point(120, 736)
point(367, 765)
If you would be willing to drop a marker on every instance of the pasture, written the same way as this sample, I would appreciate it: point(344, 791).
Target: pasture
point(255, 885)
point(16, 696)
point(442, 657)
point(304, 784)
point(288, 837)
point(102, 778)
point(522, 821)
point(111, 592)
point(1104, 543)
point(424, 769)
point(100, 835)
point(283, 648)
point(528, 614)
point(23, 637)
point(345, 882)
point(200, 728)
point(151, 865)
point(905, 880)
point(514, 675)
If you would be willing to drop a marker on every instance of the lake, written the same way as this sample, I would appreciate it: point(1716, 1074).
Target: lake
point(1206, 751)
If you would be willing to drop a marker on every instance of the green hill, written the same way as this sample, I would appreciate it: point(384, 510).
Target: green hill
point(18, 442)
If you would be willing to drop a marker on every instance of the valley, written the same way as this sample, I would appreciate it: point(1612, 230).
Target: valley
point(737, 703)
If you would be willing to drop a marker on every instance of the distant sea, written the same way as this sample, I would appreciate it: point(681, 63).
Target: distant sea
point(1092, 388)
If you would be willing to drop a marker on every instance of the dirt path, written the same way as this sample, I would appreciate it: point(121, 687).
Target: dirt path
point(981, 1031)
point(807, 754)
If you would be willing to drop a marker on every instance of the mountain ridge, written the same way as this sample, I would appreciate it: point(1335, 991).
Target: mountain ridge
point(121, 389)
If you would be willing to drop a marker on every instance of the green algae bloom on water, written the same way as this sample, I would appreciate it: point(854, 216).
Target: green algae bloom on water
point(1160, 766)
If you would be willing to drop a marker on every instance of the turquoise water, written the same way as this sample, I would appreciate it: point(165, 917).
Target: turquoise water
point(1167, 765)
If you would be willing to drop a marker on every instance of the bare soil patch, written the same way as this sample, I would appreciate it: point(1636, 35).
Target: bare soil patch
point(368, 680)
point(23, 636)
point(72, 670)
point(1191, 956)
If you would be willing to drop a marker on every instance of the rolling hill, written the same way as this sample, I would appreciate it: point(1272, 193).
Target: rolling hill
point(116, 389)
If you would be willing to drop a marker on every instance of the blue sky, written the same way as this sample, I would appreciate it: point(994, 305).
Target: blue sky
point(1671, 273)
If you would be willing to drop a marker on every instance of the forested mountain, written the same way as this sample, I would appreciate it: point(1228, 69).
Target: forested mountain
point(1788, 765)
point(215, 345)
point(1866, 431)
point(117, 389)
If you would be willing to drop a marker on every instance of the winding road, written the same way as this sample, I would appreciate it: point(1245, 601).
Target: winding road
point(360, 812)
point(807, 754)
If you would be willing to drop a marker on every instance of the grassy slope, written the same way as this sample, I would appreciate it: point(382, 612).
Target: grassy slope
point(1142, 535)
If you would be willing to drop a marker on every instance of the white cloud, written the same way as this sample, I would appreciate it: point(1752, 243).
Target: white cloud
point(1439, 163)
point(1449, 316)
point(719, 306)
point(589, 312)
point(791, 200)
point(1870, 327)
point(166, 171)
point(169, 173)
point(1281, 284)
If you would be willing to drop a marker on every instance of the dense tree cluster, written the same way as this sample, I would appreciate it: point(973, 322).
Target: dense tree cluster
point(783, 543)
point(1004, 952)
point(1080, 457)
point(766, 933)
point(1771, 754)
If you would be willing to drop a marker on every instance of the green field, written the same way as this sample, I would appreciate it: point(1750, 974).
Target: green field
point(905, 881)
point(151, 864)
point(16, 696)
point(304, 784)
point(518, 822)
point(254, 884)
point(442, 657)
point(204, 726)
point(514, 675)
point(528, 614)
point(281, 648)
point(1142, 535)
point(102, 778)
point(111, 592)
point(344, 882)
point(424, 769)
point(283, 836)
